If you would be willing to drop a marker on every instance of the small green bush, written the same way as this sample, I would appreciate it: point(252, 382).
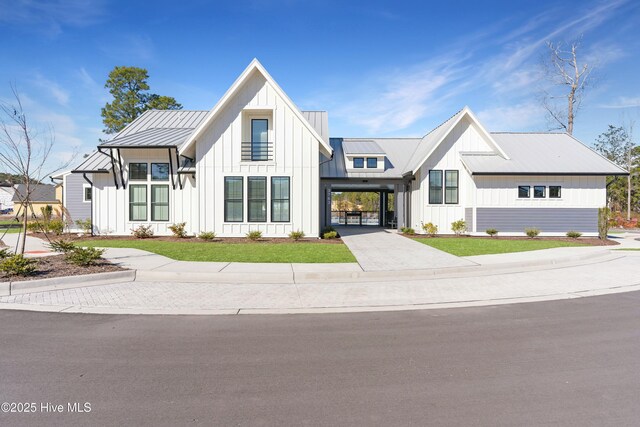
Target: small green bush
point(178, 229)
point(85, 225)
point(328, 229)
point(18, 265)
point(459, 227)
point(36, 226)
point(84, 256)
point(254, 235)
point(296, 235)
point(47, 212)
point(532, 232)
point(430, 229)
point(408, 230)
point(491, 231)
point(55, 226)
point(330, 235)
point(5, 253)
point(207, 235)
point(62, 245)
point(574, 234)
point(142, 232)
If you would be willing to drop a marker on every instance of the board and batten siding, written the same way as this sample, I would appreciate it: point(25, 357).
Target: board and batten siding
point(295, 155)
point(111, 206)
point(73, 198)
point(464, 137)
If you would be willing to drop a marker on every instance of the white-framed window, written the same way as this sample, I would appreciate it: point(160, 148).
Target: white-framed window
point(87, 193)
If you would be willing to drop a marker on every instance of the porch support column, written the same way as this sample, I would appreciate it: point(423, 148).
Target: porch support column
point(400, 205)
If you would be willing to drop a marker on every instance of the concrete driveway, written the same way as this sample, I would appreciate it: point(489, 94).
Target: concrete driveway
point(377, 249)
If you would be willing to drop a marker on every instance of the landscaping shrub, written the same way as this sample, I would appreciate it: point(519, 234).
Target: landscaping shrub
point(178, 230)
point(408, 230)
point(328, 229)
point(55, 226)
point(574, 234)
point(604, 215)
point(47, 212)
point(18, 265)
point(296, 235)
point(532, 232)
point(35, 226)
point(459, 227)
point(64, 246)
point(430, 229)
point(254, 235)
point(207, 235)
point(330, 235)
point(5, 253)
point(142, 232)
point(85, 225)
point(84, 256)
point(491, 231)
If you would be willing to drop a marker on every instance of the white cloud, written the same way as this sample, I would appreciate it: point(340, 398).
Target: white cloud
point(623, 102)
point(526, 116)
point(54, 89)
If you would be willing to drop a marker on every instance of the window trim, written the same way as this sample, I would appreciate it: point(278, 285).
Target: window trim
point(528, 192)
point(281, 200)
point(559, 192)
point(156, 179)
point(372, 158)
point(151, 203)
point(226, 198)
point(440, 202)
point(84, 193)
point(146, 202)
point(146, 171)
point(544, 191)
point(249, 199)
point(354, 163)
point(457, 187)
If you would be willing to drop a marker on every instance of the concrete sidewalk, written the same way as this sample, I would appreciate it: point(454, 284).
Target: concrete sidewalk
point(377, 249)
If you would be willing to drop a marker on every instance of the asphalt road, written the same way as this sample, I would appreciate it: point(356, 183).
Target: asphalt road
point(572, 362)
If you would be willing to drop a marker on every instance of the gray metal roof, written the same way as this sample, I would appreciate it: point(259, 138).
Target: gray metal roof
point(151, 138)
point(361, 147)
point(319, 120)
point(39, 193)
point(397, 154)
point(158, 128)
point(540, 153)
point(97, 162)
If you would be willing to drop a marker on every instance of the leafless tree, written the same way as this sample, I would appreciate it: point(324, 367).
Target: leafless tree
point(568, 77)
point(24, 152)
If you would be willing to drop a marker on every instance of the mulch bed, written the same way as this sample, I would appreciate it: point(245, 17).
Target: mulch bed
point(57, 266)
point(592, 241)
point(238, 240)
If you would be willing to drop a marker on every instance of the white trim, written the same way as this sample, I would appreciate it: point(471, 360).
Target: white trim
point(255, 65)
point(84, 193)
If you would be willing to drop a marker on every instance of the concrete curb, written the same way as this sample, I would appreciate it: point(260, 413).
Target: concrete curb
point(66, 282)
point(371, 276)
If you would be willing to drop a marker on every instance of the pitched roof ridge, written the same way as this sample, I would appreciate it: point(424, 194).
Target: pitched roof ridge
point(375, 137)
point(530, 132)
point(442, 124)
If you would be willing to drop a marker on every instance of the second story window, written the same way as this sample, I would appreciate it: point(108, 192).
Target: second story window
point(358, 162)
point(259, 139)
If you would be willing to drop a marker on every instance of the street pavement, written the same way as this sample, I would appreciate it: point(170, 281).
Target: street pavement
point(573, 362)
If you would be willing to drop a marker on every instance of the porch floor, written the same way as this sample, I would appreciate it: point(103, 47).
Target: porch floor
point(377, 249)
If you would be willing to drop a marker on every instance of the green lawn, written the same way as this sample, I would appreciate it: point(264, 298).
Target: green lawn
point(468, 246)
point(236, 252)
point(11, 230)
point(627, 249)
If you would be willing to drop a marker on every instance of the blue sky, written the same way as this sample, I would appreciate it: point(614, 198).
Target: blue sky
point(380, 68)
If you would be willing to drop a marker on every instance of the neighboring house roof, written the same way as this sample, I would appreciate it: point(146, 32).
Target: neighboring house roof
point(396, 150)
point(254, 66)
point(351, 146)
point(320, 122)
point(39, 193)
point(157, 128)
point(97, 162)
point(540, 154)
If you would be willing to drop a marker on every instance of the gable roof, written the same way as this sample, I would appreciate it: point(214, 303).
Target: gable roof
point(39, 193)
point(539, 153)
point(255, 65)
point(397, 153)
point(433, 139)
point(157, 128)
point(320, 122)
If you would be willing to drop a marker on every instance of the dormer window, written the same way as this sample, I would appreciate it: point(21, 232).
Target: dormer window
point(358, 162)
point(372, 162)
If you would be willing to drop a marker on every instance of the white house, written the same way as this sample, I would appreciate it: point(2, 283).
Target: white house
point(256, 162)
point(6, 196)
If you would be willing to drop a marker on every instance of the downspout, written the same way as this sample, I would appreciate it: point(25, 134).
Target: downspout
point(84, 175)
